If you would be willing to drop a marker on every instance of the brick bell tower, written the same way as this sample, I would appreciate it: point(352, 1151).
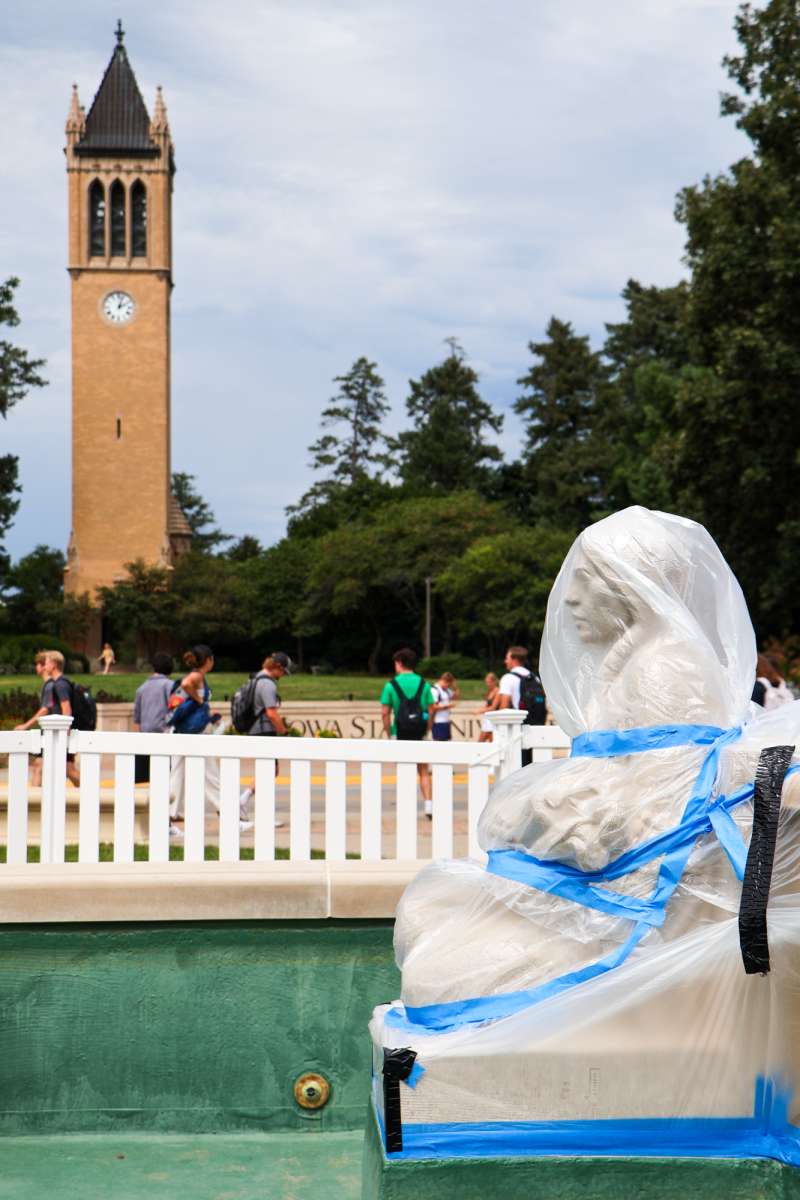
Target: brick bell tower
point(120, 167)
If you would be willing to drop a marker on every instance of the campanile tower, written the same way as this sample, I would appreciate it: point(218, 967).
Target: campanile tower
point(120, 166)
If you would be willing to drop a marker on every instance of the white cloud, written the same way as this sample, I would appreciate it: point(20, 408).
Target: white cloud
point(358, 178)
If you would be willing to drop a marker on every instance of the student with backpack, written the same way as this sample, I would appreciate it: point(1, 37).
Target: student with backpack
point(56, 700)
point(407, 712)
point(521, 689)
point(254, 711)
point(189, 713)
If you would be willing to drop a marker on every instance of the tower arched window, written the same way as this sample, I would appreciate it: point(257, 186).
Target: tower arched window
point(118, 238)
point(138, 220)
point(97, 220)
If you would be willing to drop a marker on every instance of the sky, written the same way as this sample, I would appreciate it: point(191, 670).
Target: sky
point(356, 178)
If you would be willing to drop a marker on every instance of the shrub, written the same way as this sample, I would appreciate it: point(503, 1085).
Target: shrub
point(17, 706)
point(460, 665)
point(20, 650)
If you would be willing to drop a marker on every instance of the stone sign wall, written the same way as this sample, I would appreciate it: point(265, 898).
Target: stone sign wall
point(348, 718)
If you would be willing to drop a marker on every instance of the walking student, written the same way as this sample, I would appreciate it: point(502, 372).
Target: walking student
point(268, 722)
point(107, 657)
point(151, 709)
point(151, 703)
point(55, 700)
point(521, 689)
point(189, 713)
point(407, 712)
point(492, 703)
point(445, 692)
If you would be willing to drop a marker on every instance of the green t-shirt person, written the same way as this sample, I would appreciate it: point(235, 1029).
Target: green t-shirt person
point(408, 682)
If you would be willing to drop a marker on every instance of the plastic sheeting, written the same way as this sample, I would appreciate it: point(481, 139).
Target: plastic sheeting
point(592, 972)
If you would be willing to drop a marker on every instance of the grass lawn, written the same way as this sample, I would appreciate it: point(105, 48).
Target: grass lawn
point(223, 685)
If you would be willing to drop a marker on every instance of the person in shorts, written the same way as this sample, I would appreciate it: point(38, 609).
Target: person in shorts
point(55, 700)
point(409, 682)
point(444, 692)
point(492, 703)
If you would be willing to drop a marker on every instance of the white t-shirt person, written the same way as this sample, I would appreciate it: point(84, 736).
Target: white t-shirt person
point(510, 686)
point(441, 695)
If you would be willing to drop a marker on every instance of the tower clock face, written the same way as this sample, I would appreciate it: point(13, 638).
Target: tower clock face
point(118, 308)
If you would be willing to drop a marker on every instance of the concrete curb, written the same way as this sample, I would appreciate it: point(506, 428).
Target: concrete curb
point(206, 891)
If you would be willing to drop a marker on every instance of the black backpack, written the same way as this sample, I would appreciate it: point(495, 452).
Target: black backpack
point(531, 697)
point(84, 707)
point(410, 721)
point(243, 705)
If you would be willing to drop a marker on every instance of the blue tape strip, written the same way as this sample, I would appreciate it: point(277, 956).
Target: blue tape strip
point(608, 743)
point(434, 1017)
point(581, 887)
point(767, 1134)
point(416, 1073)
point(729, 838)
point(551, 877)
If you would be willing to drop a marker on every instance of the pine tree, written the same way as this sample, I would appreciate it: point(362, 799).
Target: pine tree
point(361, 404)
point(563, 459)
point(198, 514)
point(446, 450)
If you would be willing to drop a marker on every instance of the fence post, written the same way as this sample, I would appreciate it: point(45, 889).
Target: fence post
point(55, 733)
point(507, 729)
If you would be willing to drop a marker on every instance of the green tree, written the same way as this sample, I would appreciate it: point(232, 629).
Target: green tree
point(32, 586)
point(70, 617)
point(198, 513)
point(244, 548)
point(341, 506)
point(9, 504)
point(274, 591)
point(446, 450)
point(564, 460)
point(738, 455)
point(499, 586)
point(360, 567)
point(18, 374)
point(361, 405)
point(206, 598)
point(144, 602)
point(635, 416)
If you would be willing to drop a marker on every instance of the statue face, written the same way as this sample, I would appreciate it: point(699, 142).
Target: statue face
point(600, 614)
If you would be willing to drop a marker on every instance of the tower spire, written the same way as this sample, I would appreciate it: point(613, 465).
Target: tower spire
point(76, 120)
point(120, 32)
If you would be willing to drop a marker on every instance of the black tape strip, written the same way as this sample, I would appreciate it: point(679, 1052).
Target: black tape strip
point(397, 1066)
point(772, 767)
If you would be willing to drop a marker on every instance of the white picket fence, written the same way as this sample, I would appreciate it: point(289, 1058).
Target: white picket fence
point(56, 737)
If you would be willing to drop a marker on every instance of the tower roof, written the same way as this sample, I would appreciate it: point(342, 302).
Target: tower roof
point(118, 122)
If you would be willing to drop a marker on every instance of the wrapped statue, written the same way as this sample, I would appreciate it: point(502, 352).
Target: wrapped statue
point(610, 980)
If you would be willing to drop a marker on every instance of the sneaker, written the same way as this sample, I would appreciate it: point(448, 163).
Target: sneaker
point(174, 832)
point(246, 826)
point(279, 824)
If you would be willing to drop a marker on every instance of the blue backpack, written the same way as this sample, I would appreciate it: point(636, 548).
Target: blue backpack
point(187, 716)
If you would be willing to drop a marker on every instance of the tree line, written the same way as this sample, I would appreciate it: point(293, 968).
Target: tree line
point(691, 405)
